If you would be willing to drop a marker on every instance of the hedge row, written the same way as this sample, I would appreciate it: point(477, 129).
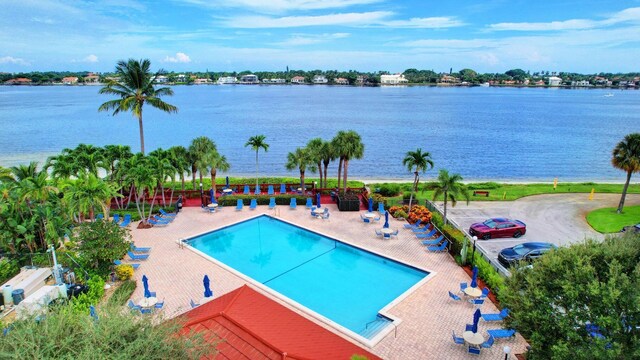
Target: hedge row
point(232, 200)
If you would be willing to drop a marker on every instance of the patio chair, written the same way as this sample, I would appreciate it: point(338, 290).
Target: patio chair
point(454, 296)
point(140, 249)
point(325, 215)
point(193, 304)
point(427, 235)
point(477, 302)
point(157, 223)
point(365, 219)
point(496, 317)
point(468, 327)
point(118, 262)
point(257, 190)
point(159, 305)
point(126, 221)
point(239, 205)
point(485, 292)
point(166, 214)
point(254, 204)
point(152, 294)
point(442, 247)
point(159, 219)
point(309, 203)
point(377, 218)
point(489, 343)
point(386, 236)
point(423, 229)
point(395, 233)
point(293, 203)
point(412, 226)
point(100, 217)
point(133, 306)
point(381, 208)
point(145, 311)
point(463, 285)
point(283, 189)
point(433, 242)
point(246, 190)
point(137, 256)
point(457, 340)
point(270, 190)
point(502, 333)
point(473, 350)
point(116, 218)
point(378, 232)
point(272, 203)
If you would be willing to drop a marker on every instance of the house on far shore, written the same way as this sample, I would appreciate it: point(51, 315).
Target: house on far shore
point(181, 78)
point(92, 78)
point(320, 79)
point(395, 79)
point(297, 80)
point(274, 81)
point(554, 81)
point(448, 79)
point(18, 81)
point(341, 81)
point(161, 79)
point(69, 80)
point(539, 83)
point(581, 83)
point(227, 80)
point(201, 81)
point(362, 80)
point(249, 79)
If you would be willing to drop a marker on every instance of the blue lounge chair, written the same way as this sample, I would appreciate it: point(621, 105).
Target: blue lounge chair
point(159, 305)
point(283, 189)
point(463, 285)
point(193, 304)
point(293, 204)
point(427, 235)
point(270, 190)
point(166, 214)
point(424, 229)
point(116, 218)
point(381, 208)
point(118, 262)
point(496, 317)
point(272, 203)
point(411, 226)
point(477, 302)
point(254, 204)
point(239, 205)
point(457, 340)
point(454, 296)
point(257, 190)
point(433, 242)
point(100, 217)
point(126, 221)
point(442, 247)
point(133, 306)
point(246, 190)
point(502, 333)
point(485, 292)
point(473, 350)
point(489, 343)
point(145, 311)
point(378, 232)
point(160, 219)
point(137, 256)
point(140, 249)
point(157, 223)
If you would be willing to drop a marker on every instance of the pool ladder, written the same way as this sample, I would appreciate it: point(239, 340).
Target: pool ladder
point(276, 211)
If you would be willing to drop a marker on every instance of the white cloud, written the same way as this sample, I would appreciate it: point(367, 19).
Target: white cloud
point(627, 15)
point(306, 39)
point(91, 59)
point(179, 58)
point(271, 6)
point(12, 60)
point(427, 23)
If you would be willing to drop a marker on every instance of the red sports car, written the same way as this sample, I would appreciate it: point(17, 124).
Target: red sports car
point(498, 227)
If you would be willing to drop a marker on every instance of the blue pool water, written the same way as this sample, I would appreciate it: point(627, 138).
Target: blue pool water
point(343, 283)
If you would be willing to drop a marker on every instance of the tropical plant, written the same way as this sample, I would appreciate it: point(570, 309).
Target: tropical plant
point(201, 150)
point(626, 156)
point(124, 272)
point(162, 168)
point(101, 242)
point(301, 159)
point(327, 155)
point(112, 155)
point(417, 161)
point(217, 162)
point(314, 148)
point(347, 145)
point(87, 194)
point(143, 180)
point(256, 143)
point(179, 157)
point(450, 187)
point(133, 85)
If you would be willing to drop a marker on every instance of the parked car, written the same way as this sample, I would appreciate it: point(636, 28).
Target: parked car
point(498, 227)
point(633, 228)
point(524, 252)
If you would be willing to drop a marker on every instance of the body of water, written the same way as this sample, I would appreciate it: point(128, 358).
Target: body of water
point(509, 134)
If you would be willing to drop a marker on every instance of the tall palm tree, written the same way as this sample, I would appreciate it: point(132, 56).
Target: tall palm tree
point(256, 143)
point(112, 154)
point(314, 148)
point(201, 150)
point(348, 145)
point(217, 162)
point(22, 172)
point(450, 186)
point(142, 179)
point(162, 169)
point(302, 159)
point(327, 154)
point(134, 88)
point(179, 157)
point(626, 156)
point(419, 160)
point(89, 194)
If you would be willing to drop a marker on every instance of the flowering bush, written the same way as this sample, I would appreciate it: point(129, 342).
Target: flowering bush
point(394, 209)
point(419, 212)
point(401, 214)
point(124, 271)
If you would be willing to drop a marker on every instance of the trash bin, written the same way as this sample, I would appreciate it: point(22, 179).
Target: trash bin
point(17, 295)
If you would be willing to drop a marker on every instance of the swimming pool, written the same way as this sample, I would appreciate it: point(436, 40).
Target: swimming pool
point(347, 285)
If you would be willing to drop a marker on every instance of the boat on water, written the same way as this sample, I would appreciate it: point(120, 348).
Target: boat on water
point(608, 95)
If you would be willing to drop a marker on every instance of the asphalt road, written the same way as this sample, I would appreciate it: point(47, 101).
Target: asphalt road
point(556, 218)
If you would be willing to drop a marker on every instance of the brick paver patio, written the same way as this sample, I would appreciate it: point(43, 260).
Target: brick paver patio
point(428, 315)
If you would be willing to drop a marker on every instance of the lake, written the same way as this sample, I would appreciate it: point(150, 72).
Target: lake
point(510, 134)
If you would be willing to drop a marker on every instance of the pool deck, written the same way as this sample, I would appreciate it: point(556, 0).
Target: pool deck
point(428, 315)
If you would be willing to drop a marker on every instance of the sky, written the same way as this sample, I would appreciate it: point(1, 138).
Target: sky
point(584, 36)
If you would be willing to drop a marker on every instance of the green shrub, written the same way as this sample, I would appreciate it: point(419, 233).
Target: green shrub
point(484, 186)
point(122, 293)
point(99, 243)
point(377, 198)
point(388, 190)
point(124, 272)
point(8, 269)
point(92, 296)
point(400, 214)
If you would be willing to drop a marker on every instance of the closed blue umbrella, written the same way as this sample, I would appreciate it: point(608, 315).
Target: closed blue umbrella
point(370, 204)
point(318, 200)
point(474, 277)
point(212, 198)
point(227, 180)
point(386, 219)
point(207, 289)
point(476, 319)
point(145, 283)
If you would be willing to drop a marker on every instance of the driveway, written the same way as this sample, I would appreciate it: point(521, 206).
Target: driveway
point(556, 218)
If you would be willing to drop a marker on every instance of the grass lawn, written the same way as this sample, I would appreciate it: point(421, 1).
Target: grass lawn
point(606, 220)
point(499, 192)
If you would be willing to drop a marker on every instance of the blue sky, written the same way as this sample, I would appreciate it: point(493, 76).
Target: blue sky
point(366, 35)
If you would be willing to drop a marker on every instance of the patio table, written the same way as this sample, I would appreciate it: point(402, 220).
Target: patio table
point(473, 291)
point(388, 231)
point(148, 302)
point(472, 338)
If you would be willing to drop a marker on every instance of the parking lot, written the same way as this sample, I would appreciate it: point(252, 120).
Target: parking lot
point(555, 218)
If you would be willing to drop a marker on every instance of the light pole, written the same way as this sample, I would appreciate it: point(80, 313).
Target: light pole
point(506, 350)
point(473, 253)
point(201, 196)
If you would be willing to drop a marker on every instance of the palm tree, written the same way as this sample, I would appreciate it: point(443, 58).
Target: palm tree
point(451, 188)
point(22, 172)
point(134, 88)
point(256, 143)
point(89, 193)
point(112, 154)
point(179, 157)
point(302, 159)
point(217, 162)
point(314, 148)
point(201, 150)
point(141, 177)
point(348, 145)
point(626, 156)
point(419, 160)
point(162, 169)
point(327, 154)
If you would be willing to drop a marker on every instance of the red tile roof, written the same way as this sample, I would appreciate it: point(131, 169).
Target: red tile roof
point(250, 325)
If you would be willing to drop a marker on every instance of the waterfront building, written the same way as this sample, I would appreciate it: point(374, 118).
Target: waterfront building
point(227, 80)
point(249, 79)
point(201, 81)
point(18, 81)
point(181, 78)
point(554, 81)
point(320, 79)
point(161, 79)
point(581, 83)
point(297, 80)
point(448, 79)
point(395, 79)
point(91, 78)
point(341, 81)
point(69, 80)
